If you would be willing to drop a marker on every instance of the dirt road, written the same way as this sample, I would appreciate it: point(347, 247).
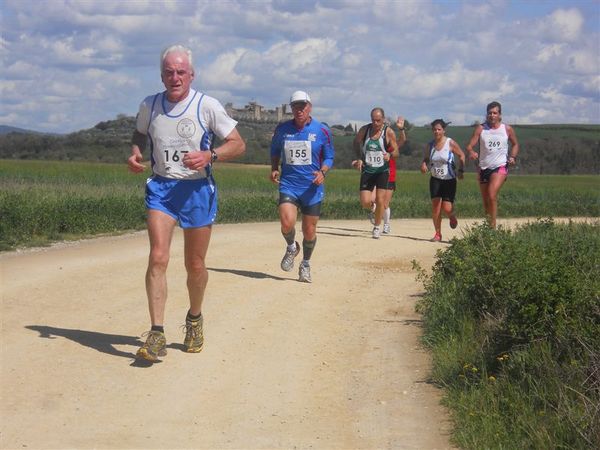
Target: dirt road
point(335, 364)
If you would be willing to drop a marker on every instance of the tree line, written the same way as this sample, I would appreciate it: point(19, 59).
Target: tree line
point(545, 149)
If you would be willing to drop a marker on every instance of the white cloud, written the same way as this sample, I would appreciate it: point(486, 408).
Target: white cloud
point(7, 88)
point(591, 85)
point(64, 89)
point(283, 64)
point(10, 119)
point(423, 58)
point(550, 52)
point(402, 13)
point(19, 69)
point(562, 25)
point(415, 82)
point(222, 72)
point(57, 118)
point(350, 60)
point(583, 62)
point(360, 29)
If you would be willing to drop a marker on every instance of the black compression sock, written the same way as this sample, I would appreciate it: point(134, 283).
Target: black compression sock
point(158, 328)
point(189, 316)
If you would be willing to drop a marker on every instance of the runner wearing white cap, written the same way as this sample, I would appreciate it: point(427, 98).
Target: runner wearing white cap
point(303, 147)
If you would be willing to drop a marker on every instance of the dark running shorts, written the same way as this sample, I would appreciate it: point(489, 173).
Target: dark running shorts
point(444, 189)
point(368, 181)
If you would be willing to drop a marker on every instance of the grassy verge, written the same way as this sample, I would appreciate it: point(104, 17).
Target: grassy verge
point(513, 322)
point(43, 201)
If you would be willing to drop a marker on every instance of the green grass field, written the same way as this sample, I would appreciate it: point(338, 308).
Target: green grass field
point(44, 201)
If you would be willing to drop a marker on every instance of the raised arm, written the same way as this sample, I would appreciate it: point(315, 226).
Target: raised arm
point(392, 143)
point(401, 132)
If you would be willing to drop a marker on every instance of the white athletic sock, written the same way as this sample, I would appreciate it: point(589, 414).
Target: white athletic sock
point(292, 247)
point(386, 215)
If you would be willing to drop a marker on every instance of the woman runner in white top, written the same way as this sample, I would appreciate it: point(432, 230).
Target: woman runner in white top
point(440, 160)
point(493, 137)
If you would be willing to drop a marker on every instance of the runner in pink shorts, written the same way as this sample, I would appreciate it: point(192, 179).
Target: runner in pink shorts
point(494, 138)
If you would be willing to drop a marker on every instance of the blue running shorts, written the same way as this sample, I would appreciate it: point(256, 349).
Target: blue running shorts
point(304, 198)
point(192, 203)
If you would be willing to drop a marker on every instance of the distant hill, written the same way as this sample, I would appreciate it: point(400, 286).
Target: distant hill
point(5, 129)
point(545, 149)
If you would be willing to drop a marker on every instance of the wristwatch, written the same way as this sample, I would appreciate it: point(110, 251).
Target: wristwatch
point(213, 156)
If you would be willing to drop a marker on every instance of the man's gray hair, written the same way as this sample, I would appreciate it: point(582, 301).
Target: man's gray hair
point(176, 49)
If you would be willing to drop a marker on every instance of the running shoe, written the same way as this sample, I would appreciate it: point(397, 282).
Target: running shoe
point(386, 228)
point(436, 238)
point(371, 215)
point(304, 273)
point(453, 221)
point(376, 233)
point(155, 346)
point(287, 263)
point(194, 337)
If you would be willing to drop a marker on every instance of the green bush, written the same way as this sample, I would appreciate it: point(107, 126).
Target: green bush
point(521, 308)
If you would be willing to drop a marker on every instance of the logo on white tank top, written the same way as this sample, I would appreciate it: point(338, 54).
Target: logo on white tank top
point(186, 128)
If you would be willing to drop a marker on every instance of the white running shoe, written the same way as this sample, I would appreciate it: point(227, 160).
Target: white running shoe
point(376, 233)
point(287, 263)
point(386, 228)
point(304, 273)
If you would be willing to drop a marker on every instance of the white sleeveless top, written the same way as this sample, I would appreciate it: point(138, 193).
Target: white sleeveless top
point(178, 128)
point(441, 162)
point(493, 147)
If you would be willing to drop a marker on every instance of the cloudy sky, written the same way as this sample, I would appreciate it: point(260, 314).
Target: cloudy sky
point(69, 64)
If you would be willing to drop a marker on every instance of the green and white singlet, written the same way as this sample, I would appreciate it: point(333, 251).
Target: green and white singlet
point(373, 152)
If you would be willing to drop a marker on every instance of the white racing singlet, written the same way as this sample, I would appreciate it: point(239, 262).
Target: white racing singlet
point(442, 163)
point(178, 128)
point(493, 147)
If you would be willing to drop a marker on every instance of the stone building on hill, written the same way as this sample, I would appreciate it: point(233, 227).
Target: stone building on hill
point(253, 112)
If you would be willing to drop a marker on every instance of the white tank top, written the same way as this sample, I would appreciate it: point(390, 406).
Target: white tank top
point(493, 147)
point(178, 128)
point(441, 162)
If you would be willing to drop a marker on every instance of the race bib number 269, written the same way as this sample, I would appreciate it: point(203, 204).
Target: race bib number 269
point(494, 144)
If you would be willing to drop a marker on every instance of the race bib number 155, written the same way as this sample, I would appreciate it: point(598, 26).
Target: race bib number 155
point(298, 153)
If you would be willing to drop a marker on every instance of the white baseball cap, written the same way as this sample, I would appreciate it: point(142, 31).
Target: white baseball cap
point(300, 96)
